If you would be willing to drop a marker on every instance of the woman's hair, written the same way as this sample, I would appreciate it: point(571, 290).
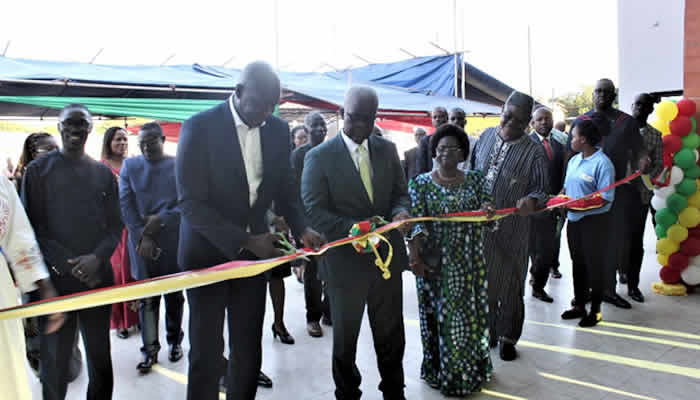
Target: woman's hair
point(450, 130)
point(592, 127)
point(29, 148)
point(295, 130)
point(107, 142)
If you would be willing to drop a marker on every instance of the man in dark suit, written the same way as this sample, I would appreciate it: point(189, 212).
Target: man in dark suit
point(228, 172)
point(409, 157)
point(349, 179)
point(543, 235)
point(424, 159)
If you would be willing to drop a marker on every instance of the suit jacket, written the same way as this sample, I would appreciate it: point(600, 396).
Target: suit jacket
point(409, 163)
point(335, 199)
point(424, 159)
point(555, 166)
point(212, 187)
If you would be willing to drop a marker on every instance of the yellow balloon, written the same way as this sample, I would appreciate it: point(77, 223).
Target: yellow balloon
point(690, 217)
point(694, 199)
point(677, 233)
point(666, 246)
point(667, 110)
point(661, 126)
point(662, 259)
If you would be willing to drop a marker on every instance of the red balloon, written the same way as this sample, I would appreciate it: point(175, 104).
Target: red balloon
point(672, 144)
point(694, 232)
point(670, 275)
point(681, 126)
point(686, 107)
point(678, 260)
point(691, 246)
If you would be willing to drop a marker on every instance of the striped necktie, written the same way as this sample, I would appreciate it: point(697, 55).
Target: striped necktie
point(365, 174)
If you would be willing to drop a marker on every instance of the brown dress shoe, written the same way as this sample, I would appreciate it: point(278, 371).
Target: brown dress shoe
point(314, 329)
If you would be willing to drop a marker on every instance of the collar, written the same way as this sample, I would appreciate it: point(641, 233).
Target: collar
point(237, 118)
point(351, 145)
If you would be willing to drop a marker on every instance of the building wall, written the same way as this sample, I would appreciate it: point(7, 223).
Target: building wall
point(692, 50)
point(650, 46)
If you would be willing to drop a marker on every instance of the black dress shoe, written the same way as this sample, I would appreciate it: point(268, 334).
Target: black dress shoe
point(590, 320)
point(636, 295)
point(623, 278)
point(284, 337)
point(575, 313)
point(123, 333)
point(507, 351)
point(617, 301)
point(264, 380)
point(175, 353)
point(540, 294)
point(145, 366)
point(314, 329)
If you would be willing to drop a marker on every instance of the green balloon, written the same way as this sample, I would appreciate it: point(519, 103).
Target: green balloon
point(692, 172)
point(692, 141)
point(686, 187)
point(695, 124)
point(677, 202)
point(660, 231)
point(665, 217)
point(684, 159)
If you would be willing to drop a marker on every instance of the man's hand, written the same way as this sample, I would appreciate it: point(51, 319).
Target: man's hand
point(47, 291)
point(147, 247)
point(525, 206)
point(153, 223)
point(280, 225)
point(644, 164)
point(312, 239)
point(263, 246)
point(404, 228)
point(87, 269)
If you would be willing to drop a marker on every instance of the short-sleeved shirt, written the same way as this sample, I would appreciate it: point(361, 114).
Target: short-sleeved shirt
point(587, 175)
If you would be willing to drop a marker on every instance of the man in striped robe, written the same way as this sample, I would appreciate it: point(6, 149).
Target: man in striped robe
point(516, 175)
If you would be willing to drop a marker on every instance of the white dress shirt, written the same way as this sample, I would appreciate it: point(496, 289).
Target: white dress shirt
point(249, 139)
point(352, 148)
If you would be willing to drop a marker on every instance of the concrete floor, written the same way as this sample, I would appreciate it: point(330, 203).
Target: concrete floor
point(557, 359)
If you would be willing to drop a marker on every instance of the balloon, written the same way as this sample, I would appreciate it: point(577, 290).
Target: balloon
point(693, 172)
point(684, 158)
point(681, 126)
point(697, 155)
point(686, 188)
point(678, 261)
point(691, 247)
point(677, 233)
point(666, 110)
point(695, 125)
point(672, 144)
point(665, 191)
point(686, 107)
point(669, 275)
point(662, 259)
point(657, 202)
point(666, 246)
point(665, 217)
point(661, 126)
point(690, 217)
point(691, 275)
point(692, 141)
point(694, 233)
point(677, 203)
point(660, 231)
point(677, 175)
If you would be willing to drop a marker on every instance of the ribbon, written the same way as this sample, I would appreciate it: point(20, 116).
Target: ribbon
point(236, 269)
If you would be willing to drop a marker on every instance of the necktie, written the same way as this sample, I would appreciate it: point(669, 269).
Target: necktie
point(365, 174)
point(547, 147)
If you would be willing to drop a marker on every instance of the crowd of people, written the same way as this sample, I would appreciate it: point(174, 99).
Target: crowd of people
point(72, 224)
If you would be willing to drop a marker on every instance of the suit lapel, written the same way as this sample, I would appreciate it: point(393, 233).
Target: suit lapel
point(378, 169)
point(235, 164)
point(347, 167)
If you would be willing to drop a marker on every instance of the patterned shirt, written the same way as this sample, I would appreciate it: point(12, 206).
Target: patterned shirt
point(654, 145)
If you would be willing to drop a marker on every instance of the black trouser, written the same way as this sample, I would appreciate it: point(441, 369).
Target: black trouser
point(243, 302)
point(149, 313)
point(57, 349)
point(588, 238)
point(315, 293)
point(384, 301)
point(627, 203)
point(635, 245)
point(557, 240)
point(542, 249)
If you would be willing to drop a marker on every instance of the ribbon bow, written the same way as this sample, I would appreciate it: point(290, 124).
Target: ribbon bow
point(369, 241)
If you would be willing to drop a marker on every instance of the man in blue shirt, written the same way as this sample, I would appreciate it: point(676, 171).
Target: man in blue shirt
point(148, 199)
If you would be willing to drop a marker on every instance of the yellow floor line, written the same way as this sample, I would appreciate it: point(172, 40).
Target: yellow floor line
point(628, 361)
point(501, 395)
point(594, 386)
point(178, 377)
point(649, 330)
point(621, 335)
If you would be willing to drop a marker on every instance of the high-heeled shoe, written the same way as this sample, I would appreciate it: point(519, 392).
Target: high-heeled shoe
point(284, 337)
point(146, 365)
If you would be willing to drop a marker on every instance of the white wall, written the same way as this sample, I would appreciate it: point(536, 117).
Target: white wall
point(650, 47)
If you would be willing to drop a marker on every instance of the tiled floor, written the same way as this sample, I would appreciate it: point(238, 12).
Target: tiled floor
point(571, 359)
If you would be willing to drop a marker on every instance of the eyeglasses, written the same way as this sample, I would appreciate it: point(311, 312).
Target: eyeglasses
point(446, 149)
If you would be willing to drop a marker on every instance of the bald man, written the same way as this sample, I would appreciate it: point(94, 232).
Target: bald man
point(228, 172)
point(424, 160)
point(354, 177)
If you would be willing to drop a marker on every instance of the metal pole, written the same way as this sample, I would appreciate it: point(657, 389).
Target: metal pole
point(454, 32)
point(529, 59)
point(277, 36)
point(167, 59)
point(464, 76)
point(7, 46)
point(95, 57)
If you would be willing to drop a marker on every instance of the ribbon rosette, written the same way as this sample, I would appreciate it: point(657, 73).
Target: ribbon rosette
point(367, 241)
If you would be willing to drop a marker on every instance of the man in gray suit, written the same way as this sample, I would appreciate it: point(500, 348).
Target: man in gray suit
point(351, 178)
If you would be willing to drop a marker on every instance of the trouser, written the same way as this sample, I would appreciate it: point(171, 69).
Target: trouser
point(635, 246)
point(542, 249)
point(557, 240)
point(242, 301)
point(506, 304)
point(627, 202)
point(57, 349)
point(384, 301)
point(588, 237)
point(149, 313)
point(315, 293)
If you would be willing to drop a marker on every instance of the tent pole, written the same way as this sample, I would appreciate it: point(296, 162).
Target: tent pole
point(454, 32)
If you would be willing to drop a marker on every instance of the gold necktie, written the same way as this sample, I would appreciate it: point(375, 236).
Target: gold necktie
point(365, 174)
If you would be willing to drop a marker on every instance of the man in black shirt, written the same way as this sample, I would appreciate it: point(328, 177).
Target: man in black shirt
point(73, 204)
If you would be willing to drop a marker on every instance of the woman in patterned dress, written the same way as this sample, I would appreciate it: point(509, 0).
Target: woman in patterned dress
point(115, 148)
point(452, 292)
